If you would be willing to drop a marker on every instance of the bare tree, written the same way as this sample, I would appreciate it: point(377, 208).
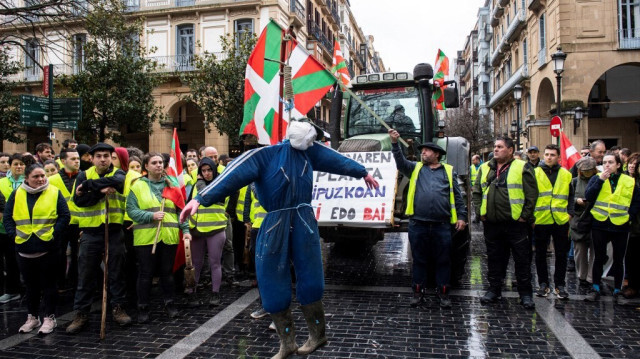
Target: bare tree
point(51, 22)
point(470, 125)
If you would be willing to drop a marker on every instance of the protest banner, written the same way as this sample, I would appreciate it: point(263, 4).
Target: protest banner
point(344, 200)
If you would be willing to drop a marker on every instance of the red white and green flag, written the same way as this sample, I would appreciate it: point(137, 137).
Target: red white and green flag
point(339, 68)
point(310, 81)
point(262, 96)
point(441, 70)
point(176, 192)
point(262, 116)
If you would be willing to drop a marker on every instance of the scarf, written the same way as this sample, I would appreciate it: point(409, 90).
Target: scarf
point(32, 190)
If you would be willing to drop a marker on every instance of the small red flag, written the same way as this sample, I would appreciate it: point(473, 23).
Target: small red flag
point(176, 193)
point(568, 154)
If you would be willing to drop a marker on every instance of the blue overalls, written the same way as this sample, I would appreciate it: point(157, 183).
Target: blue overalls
point(283, 178)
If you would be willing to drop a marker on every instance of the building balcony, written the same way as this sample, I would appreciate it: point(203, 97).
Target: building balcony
point(297, 11)
point(332, 6)
point(518, 76)
point(32, 73)
point(542, 57)
point(536, 4)
point(315, 33)
point(496, 14)
point(516, 26)
point(629, 38)
point(177, 63)
point(498, 53)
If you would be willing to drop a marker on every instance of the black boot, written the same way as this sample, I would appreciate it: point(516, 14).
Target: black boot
point(171, 310)
point(443, 297)
point(286, 333)
point(418, 296)
point(314, 316)
point(143, 313)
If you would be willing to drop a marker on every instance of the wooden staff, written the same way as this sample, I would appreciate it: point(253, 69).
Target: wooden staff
point(103, 319)
point(189, 270)
point(155, 241)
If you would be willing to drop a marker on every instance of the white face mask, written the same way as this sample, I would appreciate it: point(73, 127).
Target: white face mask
point(301, 135)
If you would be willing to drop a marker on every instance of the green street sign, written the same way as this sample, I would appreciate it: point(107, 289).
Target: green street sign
point(66, 112)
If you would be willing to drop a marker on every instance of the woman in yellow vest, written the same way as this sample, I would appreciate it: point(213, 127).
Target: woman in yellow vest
point(10, 285)
point(208, 226)
point(616, 198)
point(143, 206)
point(35, 228)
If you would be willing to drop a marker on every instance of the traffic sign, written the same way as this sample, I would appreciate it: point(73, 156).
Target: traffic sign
point(555, 126)
point(66, 112)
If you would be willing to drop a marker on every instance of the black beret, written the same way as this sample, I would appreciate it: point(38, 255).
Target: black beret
point(432, 146)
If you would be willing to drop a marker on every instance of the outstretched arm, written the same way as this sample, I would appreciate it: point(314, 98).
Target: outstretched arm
point(241, 172)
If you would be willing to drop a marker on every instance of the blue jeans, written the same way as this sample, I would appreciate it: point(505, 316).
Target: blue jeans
point(90, 252)
point(430, 244)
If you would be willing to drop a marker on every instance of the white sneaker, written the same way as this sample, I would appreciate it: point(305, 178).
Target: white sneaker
point(272, 326)
point(31, 324)
point(6, 298)
point(259, 313)
point(48, 325)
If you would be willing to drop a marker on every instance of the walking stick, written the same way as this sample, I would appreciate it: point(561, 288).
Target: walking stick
point(155, 241)
point(103, 319)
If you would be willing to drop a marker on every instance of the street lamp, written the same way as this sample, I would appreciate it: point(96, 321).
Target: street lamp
point(577, 117)
point(517, 95)
point(514, 129)
point(558, 67)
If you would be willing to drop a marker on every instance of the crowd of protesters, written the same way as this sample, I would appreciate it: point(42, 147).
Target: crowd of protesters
point(590, 214)
point(56, 211)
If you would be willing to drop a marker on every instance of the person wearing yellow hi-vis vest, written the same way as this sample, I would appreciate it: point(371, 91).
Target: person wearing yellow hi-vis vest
point(554, 208)
point(616, 199)
point(434, 206)
point(473, 169)
point(504, 197)
point(144, 205)
point(208, 229)
point(92, 189)
point(64, 181)
point(35, 217)
point(10, 283)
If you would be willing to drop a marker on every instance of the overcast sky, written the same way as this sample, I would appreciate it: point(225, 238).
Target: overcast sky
point(408, 32)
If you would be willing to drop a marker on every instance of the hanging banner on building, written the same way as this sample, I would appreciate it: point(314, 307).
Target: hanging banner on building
point(346, 200)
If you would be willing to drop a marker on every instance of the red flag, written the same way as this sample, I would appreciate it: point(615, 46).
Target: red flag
point(568, 154)
point(176, 193)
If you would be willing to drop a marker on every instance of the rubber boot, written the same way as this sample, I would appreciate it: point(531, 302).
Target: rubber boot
point(314, 316)
point(286, 332)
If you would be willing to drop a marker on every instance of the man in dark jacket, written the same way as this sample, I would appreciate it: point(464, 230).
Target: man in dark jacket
point(92, 189)
point(504, 197)
point(432, 188)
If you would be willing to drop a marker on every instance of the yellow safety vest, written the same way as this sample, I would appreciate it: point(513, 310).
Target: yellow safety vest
point(473, 171)
point(208, 219)
point(220, 168)
point(145, 233)
point(412, 190)
point(551, 206)
point(93, 216)
point(44, 215)
point(240, 206)
point(514, 188)
point(257, 213)
point(131, 175)
point(5, 188)
point(56, 180)
point(194, 177)
point(614, 206)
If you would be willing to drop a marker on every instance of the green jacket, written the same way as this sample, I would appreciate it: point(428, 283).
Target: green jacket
point(141, 216)
point(498, 207)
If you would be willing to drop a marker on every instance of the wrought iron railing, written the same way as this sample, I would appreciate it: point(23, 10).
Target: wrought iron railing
point(316, 32)
point(298, 9)
point(174, 63)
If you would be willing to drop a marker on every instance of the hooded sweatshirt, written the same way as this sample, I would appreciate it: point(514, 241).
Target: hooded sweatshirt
point(201, 184)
